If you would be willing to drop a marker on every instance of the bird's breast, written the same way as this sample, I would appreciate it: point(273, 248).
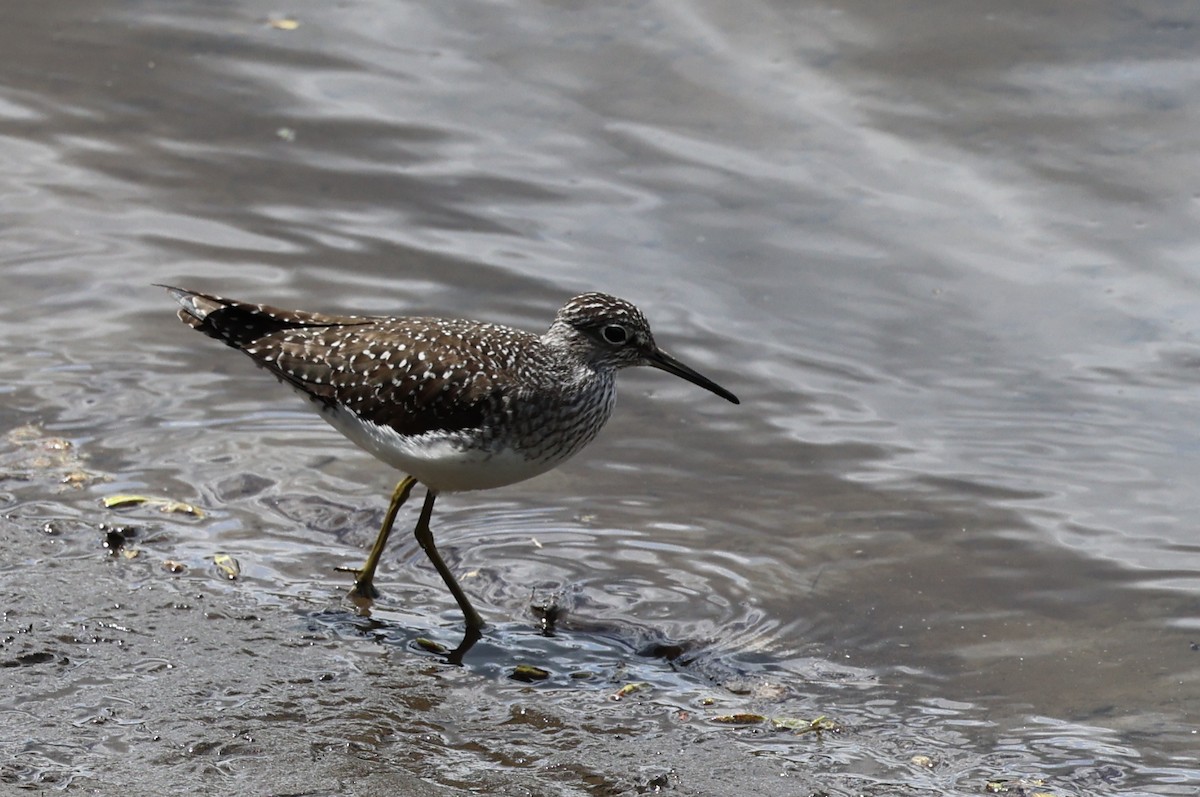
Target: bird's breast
point(526, 436)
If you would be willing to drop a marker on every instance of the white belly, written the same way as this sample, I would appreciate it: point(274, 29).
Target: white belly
point(438, 460)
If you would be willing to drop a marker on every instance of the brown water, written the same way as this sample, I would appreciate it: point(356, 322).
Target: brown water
point(946, 254)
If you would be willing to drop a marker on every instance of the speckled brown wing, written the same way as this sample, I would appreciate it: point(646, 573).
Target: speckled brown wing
point(414, 375)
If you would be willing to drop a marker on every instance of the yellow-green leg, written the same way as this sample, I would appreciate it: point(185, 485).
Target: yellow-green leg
point(364, 584)
point(425, 539)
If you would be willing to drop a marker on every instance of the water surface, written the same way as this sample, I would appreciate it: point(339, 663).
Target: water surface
point(942, 251)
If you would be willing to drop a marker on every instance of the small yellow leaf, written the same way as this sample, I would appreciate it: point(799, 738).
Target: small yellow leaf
point(283, 23)
point(180, 506)
point(228, 566)
point(163, 504)
point(629, 689)
point(114, 501)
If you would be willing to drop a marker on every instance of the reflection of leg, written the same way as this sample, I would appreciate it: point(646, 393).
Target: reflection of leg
point(425, 539)
point(364, 584)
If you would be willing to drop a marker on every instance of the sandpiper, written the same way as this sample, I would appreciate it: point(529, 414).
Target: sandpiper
point(453, 404)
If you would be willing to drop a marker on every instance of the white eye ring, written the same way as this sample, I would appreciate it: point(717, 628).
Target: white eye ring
point(615, 334)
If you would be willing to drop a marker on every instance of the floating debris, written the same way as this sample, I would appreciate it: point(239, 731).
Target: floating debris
point(163, 504)
point(172, 566)
point(629, 689)
point(228, 566)
point(740, 719)
point(429, 645)
point(818, 726)
point(283, 23)
point(27, 453)
point(1021, 787)
point(529, 673)
point(77, 478)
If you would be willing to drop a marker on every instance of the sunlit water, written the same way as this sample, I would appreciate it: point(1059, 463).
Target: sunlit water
point(944, 253)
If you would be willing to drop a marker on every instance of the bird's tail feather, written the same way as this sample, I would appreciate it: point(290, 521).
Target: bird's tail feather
point(239, 324)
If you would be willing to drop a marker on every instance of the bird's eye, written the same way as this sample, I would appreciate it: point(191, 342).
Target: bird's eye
point(615, 333)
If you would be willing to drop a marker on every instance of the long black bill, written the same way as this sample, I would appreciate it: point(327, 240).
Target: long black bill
point(665, 362)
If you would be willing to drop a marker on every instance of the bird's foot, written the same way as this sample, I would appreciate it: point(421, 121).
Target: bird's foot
point(364, 586)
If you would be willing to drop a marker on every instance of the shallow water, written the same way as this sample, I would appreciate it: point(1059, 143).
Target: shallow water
point(943, 253)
